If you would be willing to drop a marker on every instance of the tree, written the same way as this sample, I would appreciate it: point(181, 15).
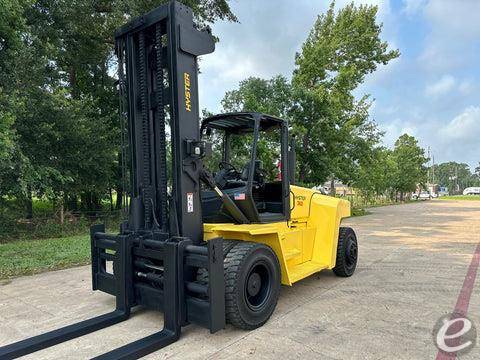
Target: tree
point(7, 151)
point(273, 96)
point(56, 61)
point(477, 175)
point(11, 24)
point(335, 133)
point(24, 72)
point(375, 174)
point(410, 163)
point(339, 52)
point(451, 174)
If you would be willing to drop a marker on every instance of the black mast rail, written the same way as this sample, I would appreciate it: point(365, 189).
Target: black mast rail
point(159, 250)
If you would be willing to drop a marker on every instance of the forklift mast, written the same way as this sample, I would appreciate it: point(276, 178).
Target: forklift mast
point(155, 259)
point(158, 83)
point(160, 260)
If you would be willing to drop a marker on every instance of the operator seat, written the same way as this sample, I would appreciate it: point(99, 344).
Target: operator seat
point(237, 189)
point(258, 177)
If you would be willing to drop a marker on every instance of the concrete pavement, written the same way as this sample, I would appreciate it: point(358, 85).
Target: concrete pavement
point(413, 261)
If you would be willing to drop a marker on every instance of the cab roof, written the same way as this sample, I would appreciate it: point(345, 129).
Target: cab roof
point(241, 121)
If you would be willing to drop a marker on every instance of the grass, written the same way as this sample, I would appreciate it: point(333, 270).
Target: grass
point(460, 197)
point(42, 207)
point(26, 257)
point(35, 256)
point(359, 209)
point(360, 212)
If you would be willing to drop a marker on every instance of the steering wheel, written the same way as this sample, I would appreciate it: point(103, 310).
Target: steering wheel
point(223, 165)
point(227, 174)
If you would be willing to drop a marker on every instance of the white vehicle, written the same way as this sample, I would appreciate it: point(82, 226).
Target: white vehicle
point(424, 195)
point(472, 191)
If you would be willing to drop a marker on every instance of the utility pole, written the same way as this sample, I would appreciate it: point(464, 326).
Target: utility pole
point(428, 171)
point(433, 169)
point(456, 178)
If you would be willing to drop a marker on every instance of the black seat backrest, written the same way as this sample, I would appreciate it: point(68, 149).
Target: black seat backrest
point(256, 175)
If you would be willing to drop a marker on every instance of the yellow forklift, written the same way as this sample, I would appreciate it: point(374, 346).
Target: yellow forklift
point(203, 245)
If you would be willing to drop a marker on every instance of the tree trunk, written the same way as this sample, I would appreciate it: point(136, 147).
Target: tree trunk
point(118, 204)
point(119, 181)
point(72, 79)
point(89, 202)
point(29, 204)
point(83, 201)
point(61, 211)
point(302, 174)
point(96, 203)
point(111, 198)
point(71, 203)
point(401, 196)
point(332, 187)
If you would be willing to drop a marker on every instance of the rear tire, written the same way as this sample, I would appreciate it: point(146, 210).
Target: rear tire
point(347, 253)
point(252, 284)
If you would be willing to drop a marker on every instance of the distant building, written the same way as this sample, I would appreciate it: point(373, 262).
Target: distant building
point(340, 188)
point(433, 188)
point(443, 191)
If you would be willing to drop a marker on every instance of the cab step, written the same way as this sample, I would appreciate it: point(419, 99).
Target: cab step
point(300, 271)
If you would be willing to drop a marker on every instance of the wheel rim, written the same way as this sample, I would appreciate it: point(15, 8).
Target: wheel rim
point(258, 286)
point(351, 253)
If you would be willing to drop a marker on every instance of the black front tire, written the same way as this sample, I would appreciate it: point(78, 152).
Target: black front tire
point(202, 273)
point(252, 284)
point(347, 253)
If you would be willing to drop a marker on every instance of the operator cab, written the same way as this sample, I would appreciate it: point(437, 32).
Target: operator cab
point(248, 158)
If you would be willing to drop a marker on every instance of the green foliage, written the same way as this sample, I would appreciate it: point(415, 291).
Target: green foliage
point(461, 197)
point(451, 173)
point(376, 173)
point(59, 133)
point(335, 134)
point(45, 222)
point(335, 130)
point(359, 212)
point(12, 24)
point(7, 145)
point(410, 162)
point(273, 96)
point(340, 50)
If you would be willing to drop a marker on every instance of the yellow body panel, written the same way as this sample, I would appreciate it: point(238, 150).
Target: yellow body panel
point(304, 245)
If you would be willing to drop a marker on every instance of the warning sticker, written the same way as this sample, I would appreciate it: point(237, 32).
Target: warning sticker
point(190, 202)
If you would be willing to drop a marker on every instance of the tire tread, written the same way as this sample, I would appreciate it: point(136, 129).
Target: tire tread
point(232, 266)
point(340, 266)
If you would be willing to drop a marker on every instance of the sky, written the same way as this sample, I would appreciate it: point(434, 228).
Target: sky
point(431, 91)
